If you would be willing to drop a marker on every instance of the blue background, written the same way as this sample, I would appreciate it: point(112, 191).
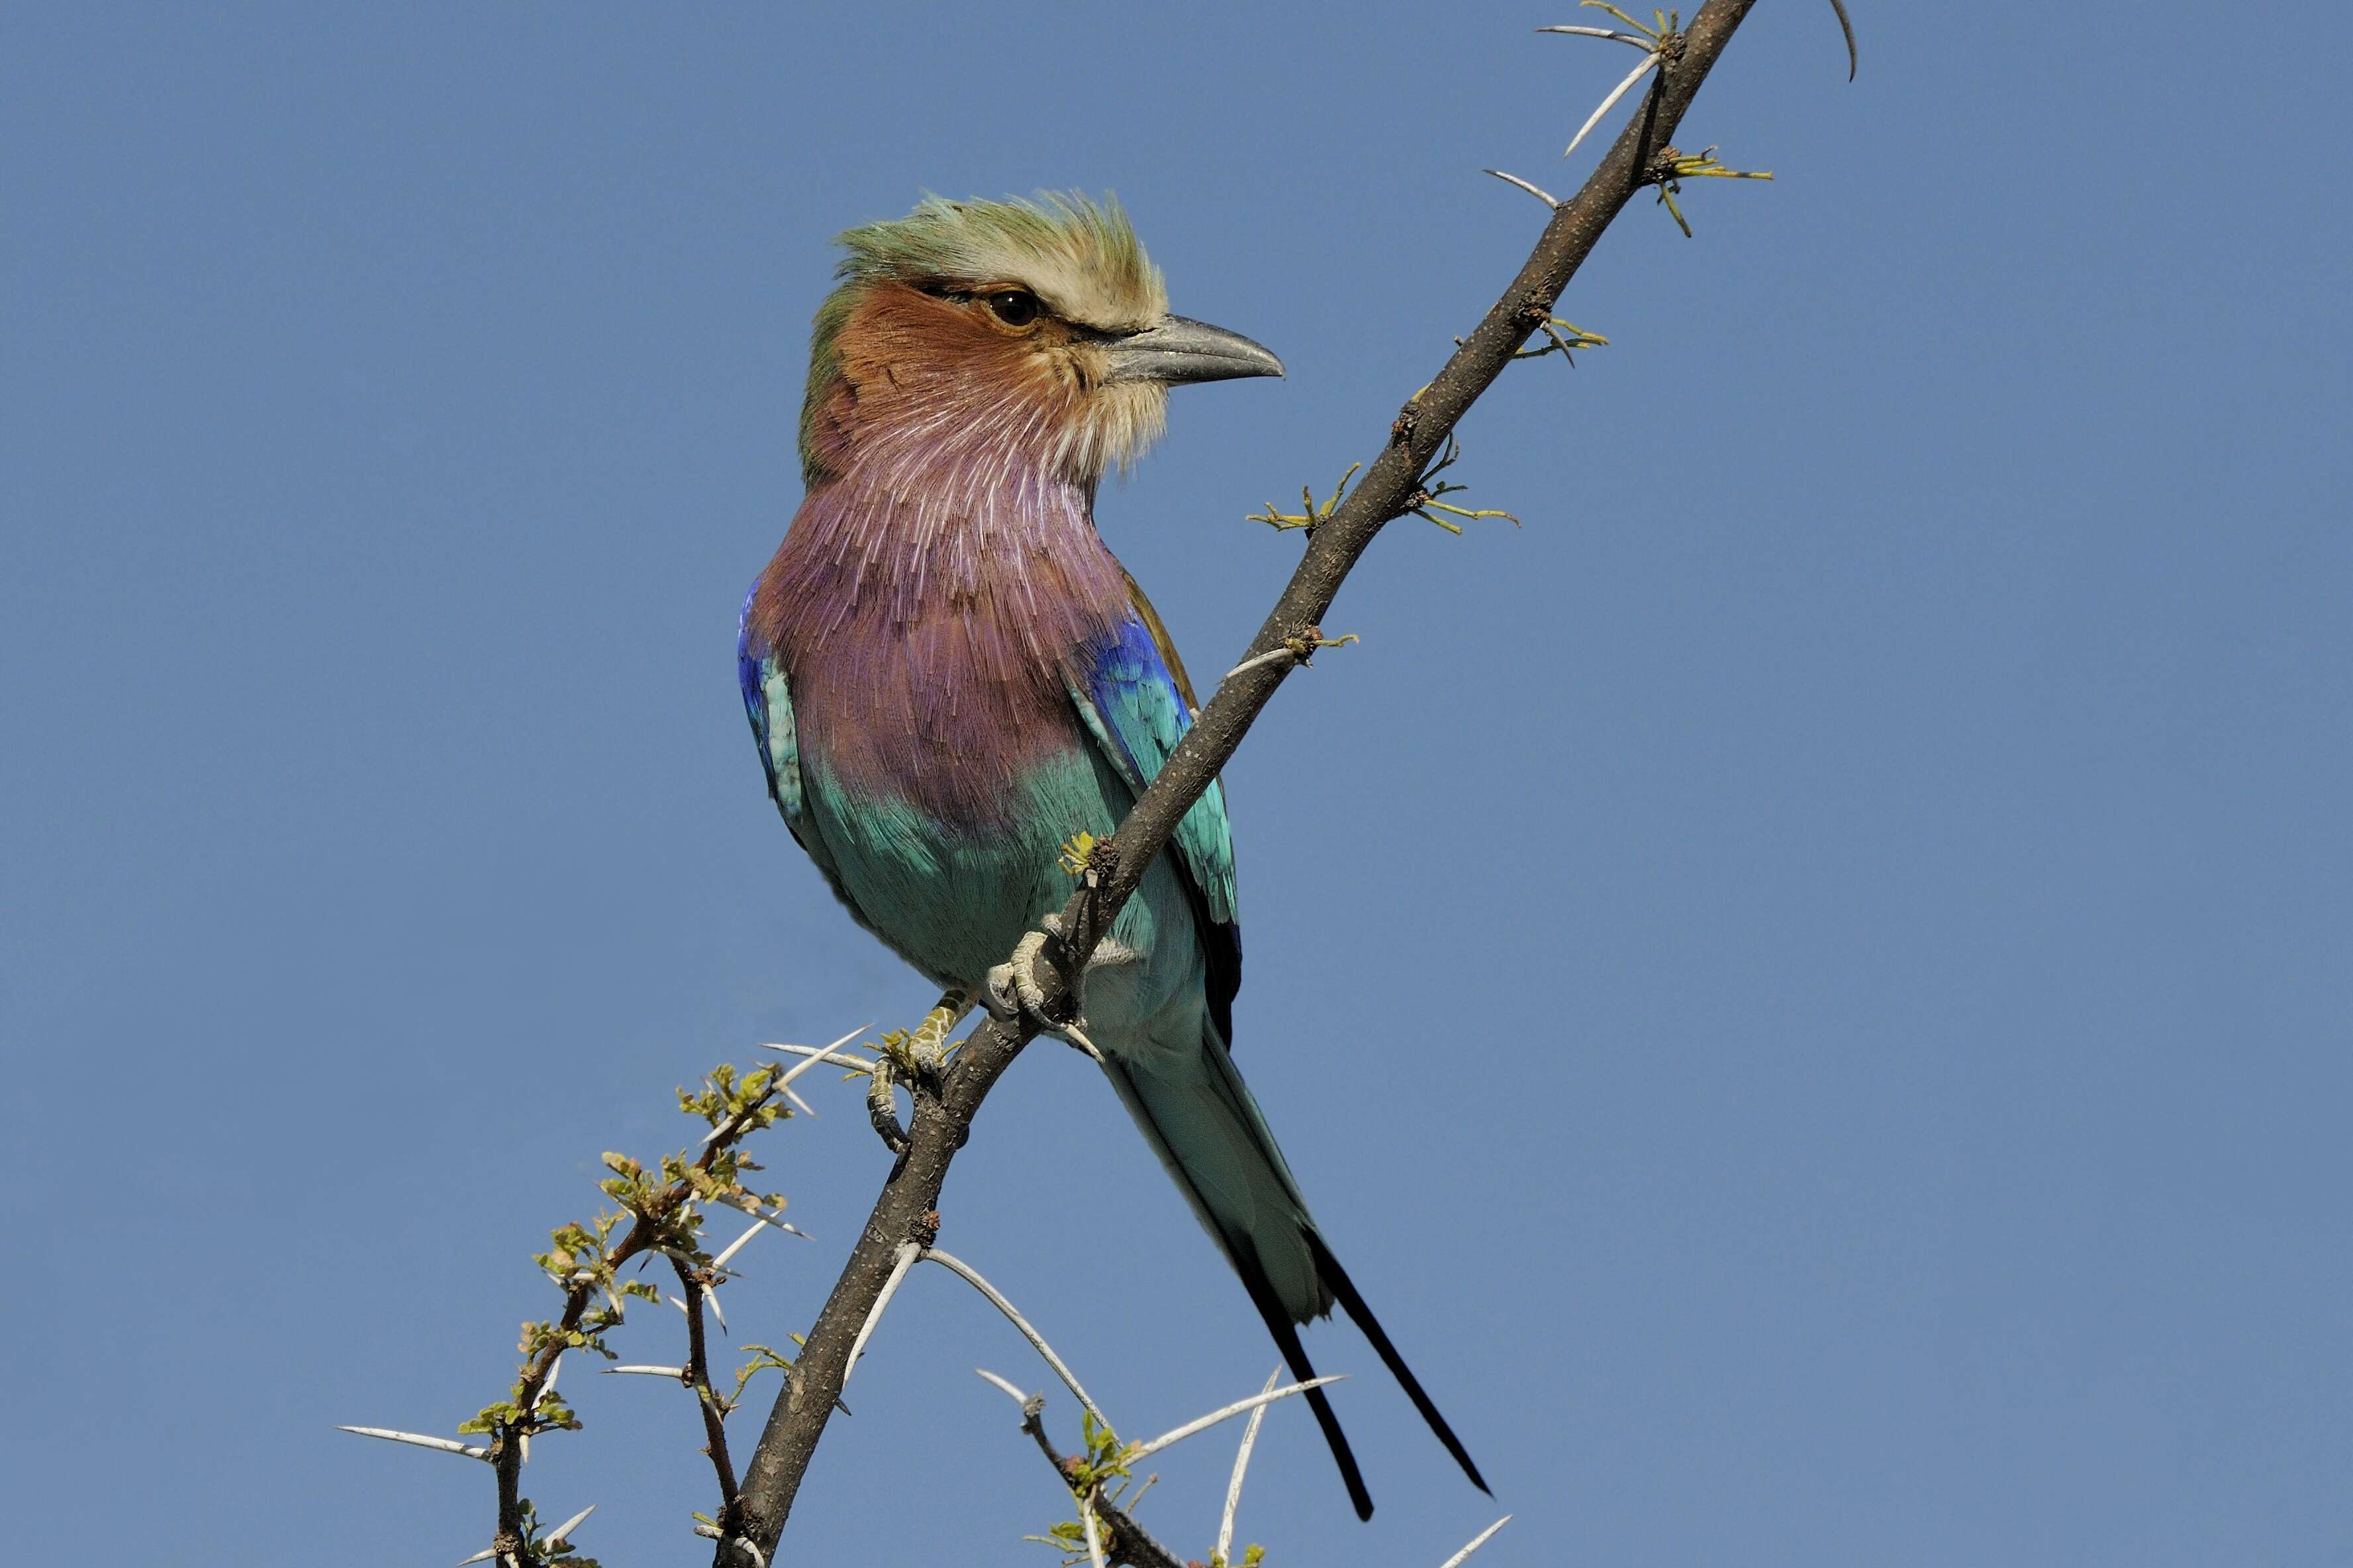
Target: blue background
point(1810, 982)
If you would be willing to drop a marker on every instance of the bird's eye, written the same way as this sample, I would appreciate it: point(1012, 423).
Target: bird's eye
point(1014, 306)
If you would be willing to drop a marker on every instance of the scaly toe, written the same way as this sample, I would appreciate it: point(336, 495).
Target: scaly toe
point(1025, 982)
point(996, 994)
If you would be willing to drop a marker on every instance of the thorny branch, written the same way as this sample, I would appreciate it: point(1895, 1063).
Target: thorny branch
point(694, 1283)
point(665, 1210)
point(943, 1111)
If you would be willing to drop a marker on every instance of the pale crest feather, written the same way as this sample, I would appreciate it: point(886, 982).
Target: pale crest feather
point(1079, 256)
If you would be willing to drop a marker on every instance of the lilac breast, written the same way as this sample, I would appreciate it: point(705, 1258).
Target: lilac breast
point(927, 635)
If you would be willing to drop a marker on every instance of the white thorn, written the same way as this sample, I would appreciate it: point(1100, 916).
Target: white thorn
point(831, 1045)
point(812, 1055)
point(419, 1441)
point(563, 1531)
point(1643, 44)
point(1269, 657)
point(675, 1302)
point(803, 1106)
point(1036, 1340)
point(1477, 1542)
point(1615, 94)
point(737, 1246)
point(1202, 1423)
point(711, 1532)
point(764, 1218)
point(1018, 1396)
point(711, 1300)
point(1241, 1464)
point(648, 1371)
point(908, 1253)
point(484, 1555)
point(1095, 1538)
point(1539, 191)
point(1078, 1038)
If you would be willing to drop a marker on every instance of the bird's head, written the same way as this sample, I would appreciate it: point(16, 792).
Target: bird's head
point(1032, 328)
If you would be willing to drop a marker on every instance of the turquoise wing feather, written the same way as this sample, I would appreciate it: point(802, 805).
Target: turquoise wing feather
point(768, 704)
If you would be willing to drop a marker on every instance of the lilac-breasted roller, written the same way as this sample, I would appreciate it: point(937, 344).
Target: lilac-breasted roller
point(949, 675)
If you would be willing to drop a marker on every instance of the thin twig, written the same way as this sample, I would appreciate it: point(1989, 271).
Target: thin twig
point(698, 1378)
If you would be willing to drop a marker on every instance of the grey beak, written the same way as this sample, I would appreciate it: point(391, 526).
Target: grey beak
point(1176, 351)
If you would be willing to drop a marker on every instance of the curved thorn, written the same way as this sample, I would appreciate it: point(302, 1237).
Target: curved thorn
point(971, 1276)
point(1536, 191)
point(1019, 1397)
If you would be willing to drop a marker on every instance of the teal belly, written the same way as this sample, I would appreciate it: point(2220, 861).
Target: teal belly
point(953, 901)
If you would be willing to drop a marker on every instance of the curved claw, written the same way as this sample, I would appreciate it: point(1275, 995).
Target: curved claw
point(1013, 996)
point(882, 1104)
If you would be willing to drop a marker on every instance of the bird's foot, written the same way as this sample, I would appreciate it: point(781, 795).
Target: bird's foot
point(914, 1056)
point(1014, 996)
point(882, 1103)
point(927, 1045)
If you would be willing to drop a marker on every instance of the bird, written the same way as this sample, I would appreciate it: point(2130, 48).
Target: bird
point(949, 675)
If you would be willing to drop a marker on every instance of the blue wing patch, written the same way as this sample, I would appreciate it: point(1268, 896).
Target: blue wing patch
point(1132, 705)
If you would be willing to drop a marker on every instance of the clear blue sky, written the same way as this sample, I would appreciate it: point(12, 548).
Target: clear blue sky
point(1810, 982)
